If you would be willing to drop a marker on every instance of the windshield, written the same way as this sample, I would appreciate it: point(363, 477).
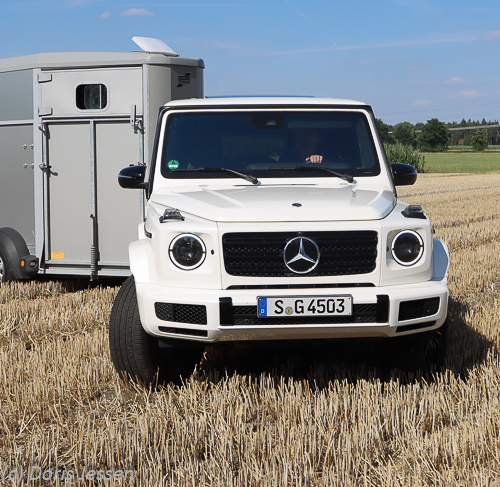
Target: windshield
point(256, 143)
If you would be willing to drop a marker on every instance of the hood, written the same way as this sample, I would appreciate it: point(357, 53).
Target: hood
point(268, 203)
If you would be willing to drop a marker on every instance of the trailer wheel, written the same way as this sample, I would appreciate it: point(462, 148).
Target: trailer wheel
point(136, 354)
point(5, 273)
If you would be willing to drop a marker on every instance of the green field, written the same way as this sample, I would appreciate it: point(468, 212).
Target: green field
point(462, 162)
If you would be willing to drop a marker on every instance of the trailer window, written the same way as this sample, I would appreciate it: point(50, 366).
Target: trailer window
point(91, 97)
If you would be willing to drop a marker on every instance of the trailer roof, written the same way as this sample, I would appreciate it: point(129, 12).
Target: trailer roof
point(64, 60)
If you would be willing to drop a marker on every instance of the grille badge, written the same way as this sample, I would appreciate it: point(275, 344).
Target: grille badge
point(301, 255)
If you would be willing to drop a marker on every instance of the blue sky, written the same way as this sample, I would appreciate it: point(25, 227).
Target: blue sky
point(412, 60)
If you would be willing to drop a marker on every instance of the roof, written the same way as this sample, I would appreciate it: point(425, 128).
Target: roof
point(61, 60)
point(264, 100)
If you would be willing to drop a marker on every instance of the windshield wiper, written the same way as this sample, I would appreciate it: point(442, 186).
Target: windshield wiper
point(246, 177)
point(347, 177)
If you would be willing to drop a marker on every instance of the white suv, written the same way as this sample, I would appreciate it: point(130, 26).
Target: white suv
point(272, 219)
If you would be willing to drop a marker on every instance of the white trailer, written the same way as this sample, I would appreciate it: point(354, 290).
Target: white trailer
point(68, 123)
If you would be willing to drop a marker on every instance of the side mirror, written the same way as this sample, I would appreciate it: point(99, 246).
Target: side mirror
point(133, 177)
point(403, 174)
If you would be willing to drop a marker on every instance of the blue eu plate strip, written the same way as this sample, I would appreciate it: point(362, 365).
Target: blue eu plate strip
point(262, 307)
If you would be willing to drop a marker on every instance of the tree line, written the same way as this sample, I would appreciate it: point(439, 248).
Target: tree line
point(436, 136)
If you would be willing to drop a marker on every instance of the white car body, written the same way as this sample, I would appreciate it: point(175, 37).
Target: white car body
point(295, 206)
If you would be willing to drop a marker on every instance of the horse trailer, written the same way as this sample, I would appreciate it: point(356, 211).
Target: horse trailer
point(68, 123)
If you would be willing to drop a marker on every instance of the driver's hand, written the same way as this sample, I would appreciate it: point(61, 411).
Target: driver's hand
point(315, 159)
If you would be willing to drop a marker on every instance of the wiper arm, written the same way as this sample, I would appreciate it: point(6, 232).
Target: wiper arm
point(246, 177)
point(347, 177)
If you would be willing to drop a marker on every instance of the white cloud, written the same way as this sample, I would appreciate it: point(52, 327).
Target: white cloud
point(421, 103)
point(458, 81)
point(137, 12)
point(465, 94)
point(491, 36)
point(105, 15)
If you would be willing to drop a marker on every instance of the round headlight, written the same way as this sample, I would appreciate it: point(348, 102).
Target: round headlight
point(187, 251)
point(407, 247)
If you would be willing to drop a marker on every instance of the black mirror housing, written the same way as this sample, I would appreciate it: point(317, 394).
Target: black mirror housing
point(403, 174)
point(133, 177)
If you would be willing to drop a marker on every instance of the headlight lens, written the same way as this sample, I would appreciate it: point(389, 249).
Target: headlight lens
point(407, 247)
point(187, 251)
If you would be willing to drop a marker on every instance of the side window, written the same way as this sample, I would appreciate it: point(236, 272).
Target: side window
point(91, 97)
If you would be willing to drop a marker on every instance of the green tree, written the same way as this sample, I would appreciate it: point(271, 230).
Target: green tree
point(384, 130)
point(479, 140)
point(405, 154)
point(434, 137)
point(404, 133)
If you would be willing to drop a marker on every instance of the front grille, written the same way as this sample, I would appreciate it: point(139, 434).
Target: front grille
point(261, 254)
point(194, 314)
point(418, 308)
point(247, 315)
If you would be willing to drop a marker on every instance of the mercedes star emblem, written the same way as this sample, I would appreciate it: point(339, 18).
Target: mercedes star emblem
point(301, 255)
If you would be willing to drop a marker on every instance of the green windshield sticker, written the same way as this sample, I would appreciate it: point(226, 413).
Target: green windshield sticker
point(173, 164)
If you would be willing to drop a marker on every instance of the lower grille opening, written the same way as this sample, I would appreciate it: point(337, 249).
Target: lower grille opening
point(194, 314)
point(418, 308)
point(247, 315)
point(416, 326)
point(302, 286)
point(184, 331)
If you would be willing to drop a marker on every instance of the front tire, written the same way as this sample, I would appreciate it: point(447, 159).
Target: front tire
point(132, 349)
point(138, 355)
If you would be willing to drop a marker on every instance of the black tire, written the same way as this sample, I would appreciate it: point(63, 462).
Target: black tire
point(138, 355)
point(5, 272)
point(132, 349)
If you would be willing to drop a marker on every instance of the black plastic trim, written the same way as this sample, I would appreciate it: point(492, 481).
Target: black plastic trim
point(184, 331)
point(382, 308)
point(415, 326)
point(226, 311)
point(302, 286)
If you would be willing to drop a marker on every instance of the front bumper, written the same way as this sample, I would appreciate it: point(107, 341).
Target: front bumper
point(231, 315)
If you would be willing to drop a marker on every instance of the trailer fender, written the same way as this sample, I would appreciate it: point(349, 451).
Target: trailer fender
point(17, 262)
point(138, 257)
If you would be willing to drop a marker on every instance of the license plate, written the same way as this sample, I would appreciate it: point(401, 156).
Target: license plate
point(276, 306)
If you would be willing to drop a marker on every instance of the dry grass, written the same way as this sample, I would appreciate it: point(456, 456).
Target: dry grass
point(333, 415)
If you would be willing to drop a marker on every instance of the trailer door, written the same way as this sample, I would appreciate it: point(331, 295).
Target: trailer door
point(88, 137)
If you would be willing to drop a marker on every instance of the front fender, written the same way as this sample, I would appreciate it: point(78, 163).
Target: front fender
point(138, 257)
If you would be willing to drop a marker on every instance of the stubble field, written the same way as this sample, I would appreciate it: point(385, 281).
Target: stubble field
point(342, 414)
